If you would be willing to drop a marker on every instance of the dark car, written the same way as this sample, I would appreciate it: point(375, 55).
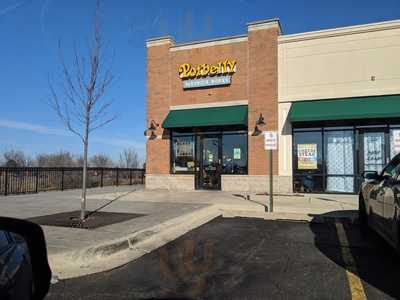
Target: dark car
point(379, 202)
point(16, 280)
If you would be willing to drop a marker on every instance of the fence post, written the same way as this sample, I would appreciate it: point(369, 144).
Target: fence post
point(37, 180)
point(130, 176)
point(6, 182)
point(117, 177)
point(101, 177)
point(62, 179)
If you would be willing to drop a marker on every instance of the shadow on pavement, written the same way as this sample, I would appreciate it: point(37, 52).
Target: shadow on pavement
point(360, 252)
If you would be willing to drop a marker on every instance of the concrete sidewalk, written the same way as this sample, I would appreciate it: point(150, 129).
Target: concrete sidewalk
point(72, 251)
point(167, 215)
point(305, 204)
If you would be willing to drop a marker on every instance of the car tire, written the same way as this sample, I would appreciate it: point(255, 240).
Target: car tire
point(362, 214)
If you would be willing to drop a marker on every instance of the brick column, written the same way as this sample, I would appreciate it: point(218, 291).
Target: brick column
point(158, 103)
point(263, 90)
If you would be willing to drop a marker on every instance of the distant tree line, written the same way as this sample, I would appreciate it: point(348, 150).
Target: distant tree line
point(128, 158)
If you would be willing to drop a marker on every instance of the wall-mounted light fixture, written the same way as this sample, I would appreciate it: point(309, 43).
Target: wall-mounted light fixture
point(152, 128)
point(152, 135)
point(153, 125)
point(256, 131)
point(259, 122)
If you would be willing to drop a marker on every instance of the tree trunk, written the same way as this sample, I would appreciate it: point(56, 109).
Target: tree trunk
point(84, 175)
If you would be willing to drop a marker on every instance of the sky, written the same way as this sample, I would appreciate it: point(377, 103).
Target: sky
point(30, 31)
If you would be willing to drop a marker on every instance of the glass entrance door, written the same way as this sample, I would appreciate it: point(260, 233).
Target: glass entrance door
point(373, 152)
point(210, 162)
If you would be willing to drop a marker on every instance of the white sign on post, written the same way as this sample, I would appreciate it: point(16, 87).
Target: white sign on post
point(396, 140)
point(270, 140)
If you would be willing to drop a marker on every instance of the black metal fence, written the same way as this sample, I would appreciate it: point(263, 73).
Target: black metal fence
point(33, 180)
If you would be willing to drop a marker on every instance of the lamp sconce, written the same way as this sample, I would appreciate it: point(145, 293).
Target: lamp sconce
point(152, 128)
point(256, 131)
point(260, 122)
point(153, 125)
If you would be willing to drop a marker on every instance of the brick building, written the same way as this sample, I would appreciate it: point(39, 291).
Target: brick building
point(208, 103)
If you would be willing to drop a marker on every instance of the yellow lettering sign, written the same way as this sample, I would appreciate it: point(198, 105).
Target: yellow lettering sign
point(221, 68)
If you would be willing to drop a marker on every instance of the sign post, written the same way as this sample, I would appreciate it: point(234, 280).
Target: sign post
point(270, 144)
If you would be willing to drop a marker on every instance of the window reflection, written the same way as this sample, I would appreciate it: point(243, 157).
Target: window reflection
point(183, 154)
point(234, 154)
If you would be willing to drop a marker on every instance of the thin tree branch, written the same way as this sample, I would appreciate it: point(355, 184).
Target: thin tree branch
point(102, 123)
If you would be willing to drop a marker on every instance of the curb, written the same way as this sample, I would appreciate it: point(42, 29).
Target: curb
point(288, 216)
point(111, 254)
point(120, 251)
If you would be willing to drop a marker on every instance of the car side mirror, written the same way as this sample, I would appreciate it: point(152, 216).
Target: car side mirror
point(371, 175)
point(28, 238)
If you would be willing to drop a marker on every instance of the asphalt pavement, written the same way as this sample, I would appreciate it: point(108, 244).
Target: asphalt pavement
point(241, 258)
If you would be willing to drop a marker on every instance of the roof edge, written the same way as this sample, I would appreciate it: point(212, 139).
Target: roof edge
point(160, 41)
point(339, 31)
point(264, 24)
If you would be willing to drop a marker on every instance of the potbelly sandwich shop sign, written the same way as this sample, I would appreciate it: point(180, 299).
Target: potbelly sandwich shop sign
point(206, 75)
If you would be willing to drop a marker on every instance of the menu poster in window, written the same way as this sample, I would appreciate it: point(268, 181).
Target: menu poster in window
point(184, 147)
point(396, 140)
point(236, 153)
point(307, 156)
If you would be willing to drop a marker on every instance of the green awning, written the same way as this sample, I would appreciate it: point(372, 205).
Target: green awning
point(346, 109)
point(210, 116)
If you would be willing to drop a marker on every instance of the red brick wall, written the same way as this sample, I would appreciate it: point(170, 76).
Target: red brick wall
point(211, 55)
point(158, 102)
point(255, 80)
point(263, 95)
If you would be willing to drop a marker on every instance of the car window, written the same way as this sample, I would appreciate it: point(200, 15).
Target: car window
point(3, 240)
point(391, 169)
point(396, 175)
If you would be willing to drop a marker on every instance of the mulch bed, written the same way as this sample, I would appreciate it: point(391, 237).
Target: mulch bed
point(94, 219)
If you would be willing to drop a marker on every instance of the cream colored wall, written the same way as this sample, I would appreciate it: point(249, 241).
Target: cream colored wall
point(285, 140)
point(334, 63)
point(340, 62)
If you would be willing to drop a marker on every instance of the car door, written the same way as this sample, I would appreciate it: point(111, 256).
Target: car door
point(5, 270)
point(379, 192)
point(376, 196)
point(391, 199)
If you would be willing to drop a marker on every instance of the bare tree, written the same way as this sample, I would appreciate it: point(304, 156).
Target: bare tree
point(16, 158)
point(101, 161)
point(59, 159)
point(128, 158)
point(80, 99)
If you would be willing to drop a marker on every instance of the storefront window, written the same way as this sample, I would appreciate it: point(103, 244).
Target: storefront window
point(339, 156)
point(183, 158)
point(307, 154)
point(325, 159)
point(374, 150)
point(234, 153)
point(394, 141)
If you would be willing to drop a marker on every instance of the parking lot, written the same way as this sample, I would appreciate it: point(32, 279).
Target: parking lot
point(240, 258)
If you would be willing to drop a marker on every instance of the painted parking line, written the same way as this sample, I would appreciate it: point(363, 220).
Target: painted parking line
point(355, 284)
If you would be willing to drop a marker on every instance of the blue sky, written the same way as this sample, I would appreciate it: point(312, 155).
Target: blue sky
point(30, 30)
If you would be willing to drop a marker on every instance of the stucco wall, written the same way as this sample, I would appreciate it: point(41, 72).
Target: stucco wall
point(340, 62)
point(334, 63)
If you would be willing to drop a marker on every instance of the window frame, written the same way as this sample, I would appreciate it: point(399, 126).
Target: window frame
point(196, 133)
point(172, 154)
point(247, 150)
point(323, 174)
